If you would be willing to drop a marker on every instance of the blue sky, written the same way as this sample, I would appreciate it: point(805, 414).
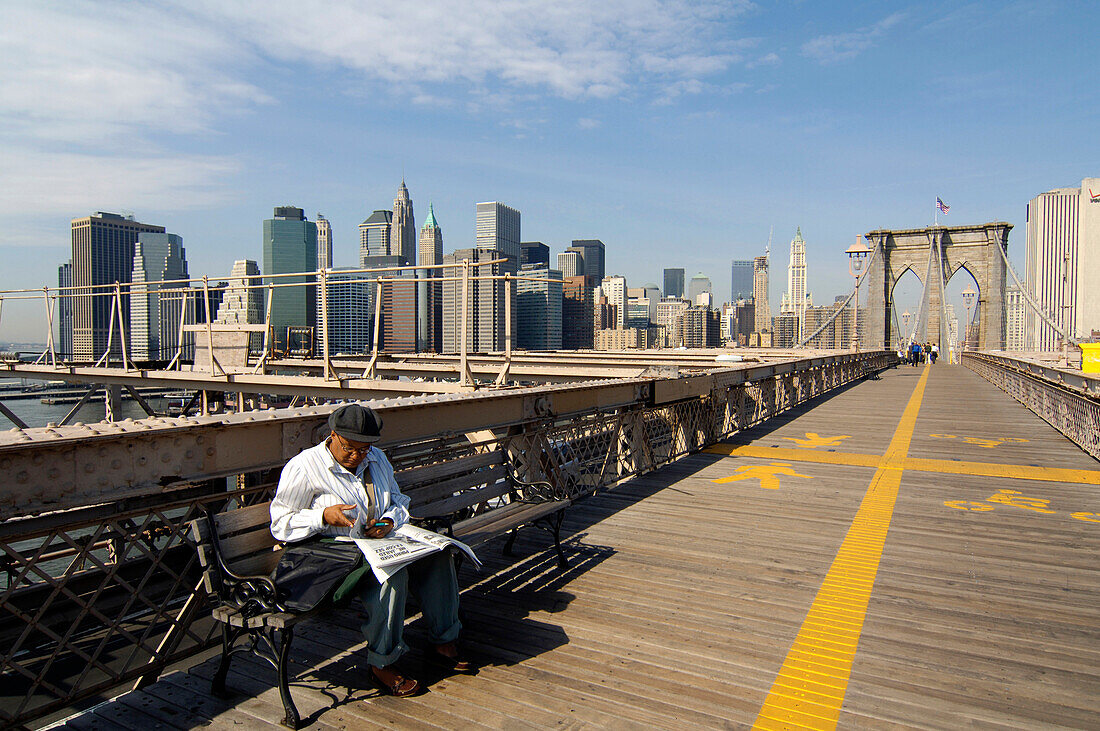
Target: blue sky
point(678, 133)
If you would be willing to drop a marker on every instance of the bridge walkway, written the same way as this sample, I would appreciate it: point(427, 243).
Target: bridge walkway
point(916, 551)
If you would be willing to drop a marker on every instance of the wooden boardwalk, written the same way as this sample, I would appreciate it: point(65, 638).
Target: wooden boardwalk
point(917, 551)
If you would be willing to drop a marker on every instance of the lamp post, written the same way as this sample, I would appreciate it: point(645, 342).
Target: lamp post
point(968, 296)
point(857, 252)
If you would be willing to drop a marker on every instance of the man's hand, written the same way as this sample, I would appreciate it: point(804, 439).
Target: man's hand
point(379, 529)
point(334, 515)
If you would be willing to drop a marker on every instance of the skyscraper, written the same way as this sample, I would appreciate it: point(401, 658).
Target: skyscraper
point(592, 253)
point(430, 302)
point(763, 312)
point(350, 324)
point(403, 238)
point(674, 282)
point(485, 316)
point(614, 288)
point(102, 254)
point(324, 243)
point(1015, 310)
point(576, 314)
point(741, 280)
point(158, 257)
point(699, 284)
point(534, 252)
point(498, 229)
point(243, 303)
point(1063, 262)
point(64, 346)
point(539, 308)
point(570, 264)
point(375, 236)
point(290, 245)
point(796, 298)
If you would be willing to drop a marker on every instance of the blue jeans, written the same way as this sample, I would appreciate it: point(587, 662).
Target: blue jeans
point(434, 584)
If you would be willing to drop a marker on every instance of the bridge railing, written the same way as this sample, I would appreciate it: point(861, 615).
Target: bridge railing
point(1069, 401)
point(101, 587)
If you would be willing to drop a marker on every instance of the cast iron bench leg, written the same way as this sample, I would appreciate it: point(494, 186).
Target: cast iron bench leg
point(217, 683)
point(292, 720)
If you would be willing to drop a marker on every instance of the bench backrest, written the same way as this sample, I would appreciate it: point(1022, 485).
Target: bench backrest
point(244, 539)
point(449, 487)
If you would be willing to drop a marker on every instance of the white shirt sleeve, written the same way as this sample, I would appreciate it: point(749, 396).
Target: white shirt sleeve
point(296, 510)
point(398, 502)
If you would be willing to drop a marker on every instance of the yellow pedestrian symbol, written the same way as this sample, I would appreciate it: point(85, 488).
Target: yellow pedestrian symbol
point(767, 474)
point(813, 440)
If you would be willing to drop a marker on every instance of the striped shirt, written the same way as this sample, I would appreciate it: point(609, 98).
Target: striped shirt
point(314, 480)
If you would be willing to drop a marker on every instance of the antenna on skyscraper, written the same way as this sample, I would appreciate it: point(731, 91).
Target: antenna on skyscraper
point(768, 248)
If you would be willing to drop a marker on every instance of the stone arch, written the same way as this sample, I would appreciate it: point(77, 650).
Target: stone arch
point(947, 249)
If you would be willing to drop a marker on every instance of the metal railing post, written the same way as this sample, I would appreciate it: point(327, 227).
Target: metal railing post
point(330, 373)
point(502, 377)
point(464, 364)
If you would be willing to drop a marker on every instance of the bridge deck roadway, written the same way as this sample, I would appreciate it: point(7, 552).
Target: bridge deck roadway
point(916, 551)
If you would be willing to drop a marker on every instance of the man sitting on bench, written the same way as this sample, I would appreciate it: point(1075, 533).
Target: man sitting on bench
point(321, 491)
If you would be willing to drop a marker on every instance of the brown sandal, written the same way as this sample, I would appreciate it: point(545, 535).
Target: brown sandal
point(398, 685)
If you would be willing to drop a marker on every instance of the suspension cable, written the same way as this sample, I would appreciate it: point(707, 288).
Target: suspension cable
point(1031, 300)
point(859, 281)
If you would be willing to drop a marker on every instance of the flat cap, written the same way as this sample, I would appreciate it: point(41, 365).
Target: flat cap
point(356, 422)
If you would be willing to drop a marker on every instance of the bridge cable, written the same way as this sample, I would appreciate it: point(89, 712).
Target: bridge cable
point(855, 289)
point(1031, 301)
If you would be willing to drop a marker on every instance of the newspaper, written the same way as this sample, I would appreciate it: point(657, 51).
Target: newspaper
point(401, 547)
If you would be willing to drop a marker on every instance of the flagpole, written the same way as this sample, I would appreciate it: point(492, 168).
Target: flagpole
point(937, 214)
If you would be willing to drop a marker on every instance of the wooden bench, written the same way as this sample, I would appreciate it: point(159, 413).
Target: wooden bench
point(475, 498)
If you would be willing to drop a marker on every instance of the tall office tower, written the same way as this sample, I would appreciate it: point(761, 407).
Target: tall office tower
point(952, 330)
point(741, 280)
point(614, 288)
point(375, 236)
point(399, 312)
point(539, 308)
point(592, 254)
point(699, 284)
point(1063, 262)
point(498, 229)
point(577, 330)
point(1015, 310)
point(350, 323)
point(243, 303)
point(674, 282)
point(796, 298)
point(64, 347)
point(669, 310)
point(157, 258)
point(403, 238)
point(534, 252)
point(324, 243)
point(102, 254)
point(763, 312)
point(570, 264)
point(700, 327)
point(290, 245)
point(785, 330)
point(430, 294)
point(485, 317)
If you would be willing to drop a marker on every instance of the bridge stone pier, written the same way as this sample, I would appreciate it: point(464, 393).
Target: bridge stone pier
point(935, 254)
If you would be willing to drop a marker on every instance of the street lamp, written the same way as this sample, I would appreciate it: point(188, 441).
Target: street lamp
point(968, 296)
point(857, 252)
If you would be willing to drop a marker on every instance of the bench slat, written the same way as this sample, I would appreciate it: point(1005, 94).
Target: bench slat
point(433, 493)
point(242, 519)
point(415, 476)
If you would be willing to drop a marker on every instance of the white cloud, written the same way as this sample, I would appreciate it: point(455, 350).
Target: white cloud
point(845, 46)
point(588, 123)
point(97, 98)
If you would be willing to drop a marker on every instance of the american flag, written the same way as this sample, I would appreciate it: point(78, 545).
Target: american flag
point(942, 206)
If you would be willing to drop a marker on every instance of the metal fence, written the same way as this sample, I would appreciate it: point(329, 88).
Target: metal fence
point(1068, 401)
point(102, 585)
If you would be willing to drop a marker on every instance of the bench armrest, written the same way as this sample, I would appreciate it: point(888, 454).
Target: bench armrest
point(249, 595)
point(537, 492)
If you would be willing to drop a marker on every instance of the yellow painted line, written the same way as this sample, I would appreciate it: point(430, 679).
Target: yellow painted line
point(916, 464)
point(799, 696)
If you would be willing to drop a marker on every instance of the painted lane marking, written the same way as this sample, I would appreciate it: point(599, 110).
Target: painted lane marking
point(915, 464)
point(803, 694)
point(813, 440)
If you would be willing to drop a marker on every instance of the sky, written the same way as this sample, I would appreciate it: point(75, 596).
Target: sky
point(681, 134)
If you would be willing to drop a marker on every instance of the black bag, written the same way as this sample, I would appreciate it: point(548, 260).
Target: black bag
point(310, 571)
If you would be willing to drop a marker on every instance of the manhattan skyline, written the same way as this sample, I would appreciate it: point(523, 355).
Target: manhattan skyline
point(678, 134)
